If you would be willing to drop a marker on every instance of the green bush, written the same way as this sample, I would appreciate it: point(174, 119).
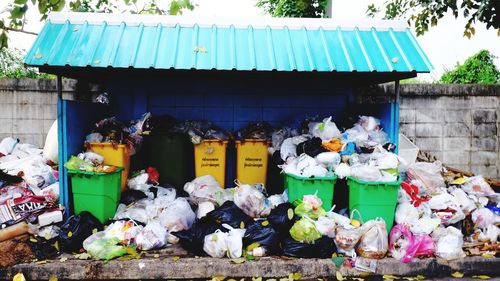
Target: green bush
point(478, 69)
point(12, 65)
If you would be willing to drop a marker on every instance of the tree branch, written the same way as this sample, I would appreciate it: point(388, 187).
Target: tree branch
point(20, 30)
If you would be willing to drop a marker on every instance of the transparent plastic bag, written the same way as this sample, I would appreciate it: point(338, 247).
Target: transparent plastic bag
point(106, 249)
point(373, 244)
point(483, 217)
point(326, 226)
point(251, 201)
point(405, 246)
point(478, 186)
point(178, 215)
point(234, 242)
point(204, 188)
point(366, 173)
point(325, 130)
point(310, 207)
point(369, 123)
point(449, 243)
point(428, 174)
point(152, 236)
point(137, 211)
point(305, 231)
point(215, 244)
point(346, 239)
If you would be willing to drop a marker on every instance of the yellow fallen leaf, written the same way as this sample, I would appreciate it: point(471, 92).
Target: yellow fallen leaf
point(218, 277)
point(295, 276)
point(94, 231)
point(253, 246)
point(156, 255)
point(53, 278)
point(459, 181)
point(282, 279)
point(82, 256)
point(390, 277)
point(238, 260)
point(70, 234)
point(457, 274)
point(339, 276)
point(231, 279)
point(19, 277)
point(420, 277)
point(483, 277)
point(41, 262)
point(259, 279)
point(176, 258)
point(56, 245)
point(364, 274)
point(487, 256)
point(242, 225)
point(358, 279)
point(265, 223)
point(33, 240)
point(410, 278)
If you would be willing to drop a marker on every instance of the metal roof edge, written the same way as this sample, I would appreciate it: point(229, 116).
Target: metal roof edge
point(222, 22)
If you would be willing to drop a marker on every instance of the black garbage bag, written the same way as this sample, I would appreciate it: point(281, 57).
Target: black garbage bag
point(282, 217)
point(262, 232)
point(76, 229)
point(131, 195)
point(230, 214)
point(44, 249)
point(311, 147)
point(321, 248)
point(192, 239)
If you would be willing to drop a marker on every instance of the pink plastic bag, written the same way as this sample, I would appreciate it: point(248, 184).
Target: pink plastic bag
point(405, 246)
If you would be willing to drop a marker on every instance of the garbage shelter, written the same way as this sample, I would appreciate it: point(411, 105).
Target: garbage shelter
point(229, 72)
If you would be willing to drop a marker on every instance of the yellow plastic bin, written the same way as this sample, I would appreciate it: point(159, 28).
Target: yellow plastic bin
point(210, 159)
point(251, 161)
point(116, 155)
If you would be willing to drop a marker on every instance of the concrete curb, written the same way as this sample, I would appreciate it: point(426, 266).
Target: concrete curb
point(203, 268)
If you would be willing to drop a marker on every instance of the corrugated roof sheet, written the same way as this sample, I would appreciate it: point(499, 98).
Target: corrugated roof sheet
point(165, 42)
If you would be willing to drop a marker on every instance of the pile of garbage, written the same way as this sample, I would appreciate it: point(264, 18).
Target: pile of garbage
point(29, 192)
point(363, 151)
point(89, 162)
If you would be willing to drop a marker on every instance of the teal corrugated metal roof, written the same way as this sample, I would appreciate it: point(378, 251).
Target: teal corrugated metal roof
point(165, 42)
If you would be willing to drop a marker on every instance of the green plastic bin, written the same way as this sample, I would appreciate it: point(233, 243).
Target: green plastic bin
point(300, 186)
point(170, 155)
point(97, 193)
point(374, 199)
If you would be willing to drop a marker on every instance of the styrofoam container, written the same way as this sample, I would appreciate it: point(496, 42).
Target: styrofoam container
point(407, 150)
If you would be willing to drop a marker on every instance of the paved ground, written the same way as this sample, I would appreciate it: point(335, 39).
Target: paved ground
point(174, 263)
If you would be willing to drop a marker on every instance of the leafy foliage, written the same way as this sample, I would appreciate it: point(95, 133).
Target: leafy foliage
point(13, 18)
point(294, 8)
point(478, 69)
point(425, 13)
point(11, 65)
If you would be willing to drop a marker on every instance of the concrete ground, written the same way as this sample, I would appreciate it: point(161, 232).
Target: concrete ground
point(174, 263)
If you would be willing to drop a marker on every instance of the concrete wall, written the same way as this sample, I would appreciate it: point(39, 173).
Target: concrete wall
point(459, 124)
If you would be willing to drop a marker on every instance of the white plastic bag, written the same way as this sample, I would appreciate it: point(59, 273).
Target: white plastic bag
point(39, 175)
point(478, 186)
point(466, 204)
point(204, 188)
point(449, 243)
point(288, 149)
point(326, 226)
point(374, 242)
point(366, 173)
point(235, 242)
point(343, 170)
point(251, 201)
point(215, 244)
point(140, 182)
point(204, 208)
point(328, 159)
point(406, 214)
point(429, 174)
point(136, 211)
point(276, 200)
point(483, 217)
point(441, 203)
point(7, 145)
point(369, 123)
point(177, 216)
point(152, 236)
point(325, 130)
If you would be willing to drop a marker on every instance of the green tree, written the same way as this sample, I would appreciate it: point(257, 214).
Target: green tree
point(478, 69)
point(11, 65)
point(294, 8)
point(425, 13)
point(13, 18)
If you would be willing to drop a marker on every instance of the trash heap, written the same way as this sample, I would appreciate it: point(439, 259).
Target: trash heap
point(29, 194)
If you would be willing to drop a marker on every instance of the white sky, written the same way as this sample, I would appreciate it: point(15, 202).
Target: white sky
point(443, 44)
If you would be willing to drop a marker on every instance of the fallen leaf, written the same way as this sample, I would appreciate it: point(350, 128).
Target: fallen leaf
point(296, 276)
point(156, 255)
point(338, 261)
point(364, 274)
point(258, 279)
point(253, 246)
point(238, 260)
point(487, 256)
point(94, 231)
point(457, 274)
point(19, 277)
point(265, 223)
point(63, 259)
point(459, 181)
point(218, 277)
point(176, 258)
point(272, 279)
point(420, 277)
point(483, 277)
point(70, 234)
point(358, 279)
point(410, 278)
point(339, 276)
point(390, 277)
point(242, 225)
point(53, 278)
point(41, 262)
point(33, 240)
point(231, 279)
point(82, 256)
